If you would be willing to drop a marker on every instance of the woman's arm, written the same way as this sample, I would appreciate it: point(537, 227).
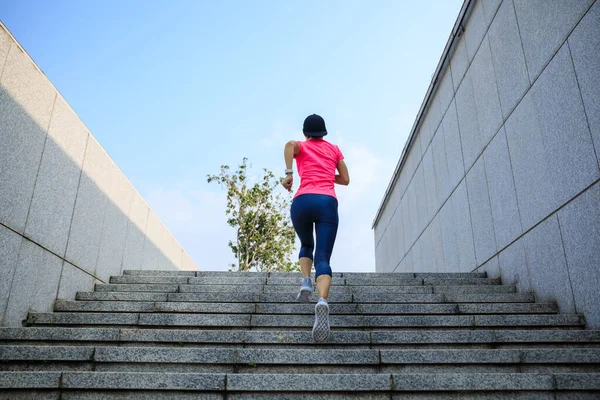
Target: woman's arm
point(343, 178)
point(292, 149)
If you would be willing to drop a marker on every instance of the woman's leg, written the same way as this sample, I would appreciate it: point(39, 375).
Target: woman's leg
point(326, 230)
point(303, 225)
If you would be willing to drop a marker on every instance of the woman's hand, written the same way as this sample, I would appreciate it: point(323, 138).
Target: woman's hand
point(287, 182)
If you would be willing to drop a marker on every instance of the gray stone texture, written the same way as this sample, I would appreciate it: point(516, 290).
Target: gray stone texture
point(464, 232)
point(60, 334)
point(5, 43)
point(481, 212)
point(514, 266)
point(543, 26)
point(164, 355)
point(216, 297)
point(578, 382)
point(459, 62)
point(67, 318)
point(427, 124)
point(491, 268)
point(474, 289)
point(489, 9)
point(430, 184)
point(149, 272)
point(509, 61)
point(307, 382)
point(53, 199)
point(472, 382)
point(154, 232)
point(580, 232)
point(398, 298)
point(470, 130)
point(121, 296)
point(164, 288)
point(136, 230)
point(413, 212)
point(88, 394)
point(72, 280)
point(10, 243)
point(49, 353)
point(463, 281)
point(308, 356)
point(449, 246)
point(475, 28)
point(487, 102)
point(445, 92)
point(26, 102)
point(435, 232)
point(529, 320)
point(548, 271)
point(489, 297)
point(454, 152)
point(584, 43)
point(114, 228)
point(550, 167)
point(510, 308)
point(133, 380)
point(502, 193)
point(134, 279)
point(25, 380)
point(195, 320)
point(90, 208)
point(443, 356)
point(35, 283)
point(440, 166)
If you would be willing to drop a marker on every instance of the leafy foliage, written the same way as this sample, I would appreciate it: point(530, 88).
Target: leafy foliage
point(265, 235)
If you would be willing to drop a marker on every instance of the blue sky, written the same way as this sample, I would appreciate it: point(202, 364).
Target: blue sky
point(174, 89)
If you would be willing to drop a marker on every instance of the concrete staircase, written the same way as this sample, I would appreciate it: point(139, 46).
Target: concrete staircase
point(219, 335)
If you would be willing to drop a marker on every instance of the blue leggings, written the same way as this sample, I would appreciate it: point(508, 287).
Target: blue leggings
point(320, 211)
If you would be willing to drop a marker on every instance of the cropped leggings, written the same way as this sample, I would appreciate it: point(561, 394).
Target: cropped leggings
point(321, 212)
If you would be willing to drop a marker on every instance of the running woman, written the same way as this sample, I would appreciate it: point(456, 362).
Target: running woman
point(315, 206)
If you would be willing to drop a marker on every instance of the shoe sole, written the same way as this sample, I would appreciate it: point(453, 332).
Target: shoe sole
point(304, 295)
point(320, 330)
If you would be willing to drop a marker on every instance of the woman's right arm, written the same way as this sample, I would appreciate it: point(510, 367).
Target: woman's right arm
point(343, 178)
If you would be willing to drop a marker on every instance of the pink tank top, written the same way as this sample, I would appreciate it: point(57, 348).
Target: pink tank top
point(316, 163)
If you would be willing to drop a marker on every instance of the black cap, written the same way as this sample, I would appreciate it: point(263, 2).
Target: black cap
point(314, 125)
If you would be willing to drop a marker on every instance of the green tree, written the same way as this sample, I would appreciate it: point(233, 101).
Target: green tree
point(259, 213)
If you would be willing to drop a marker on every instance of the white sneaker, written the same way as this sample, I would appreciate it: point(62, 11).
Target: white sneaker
point(320, 330)
point(306, 289)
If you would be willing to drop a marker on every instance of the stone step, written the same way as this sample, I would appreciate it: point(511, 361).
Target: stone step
point(252, 281)
point(354, 275)
point(376, 337)
point(387, 275)
point(450, 297)
point(184, 288)
point(295, 281)
point(454, 297)
point(429, 289)
point(134, 272)
point(304, 321)
point(341, 383)
point(166, 355)
point(291, 308)
point(460, 281)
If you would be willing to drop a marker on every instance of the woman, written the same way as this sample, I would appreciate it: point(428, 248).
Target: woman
point(315, 204)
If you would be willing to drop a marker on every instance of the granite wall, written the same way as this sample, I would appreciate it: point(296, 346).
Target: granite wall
point(501, 172)
point(68, 215)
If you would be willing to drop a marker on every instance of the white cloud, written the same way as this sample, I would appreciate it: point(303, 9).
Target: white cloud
point(196, 218)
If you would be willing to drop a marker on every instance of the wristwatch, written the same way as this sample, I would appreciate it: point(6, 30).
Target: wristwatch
point(289, 171)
